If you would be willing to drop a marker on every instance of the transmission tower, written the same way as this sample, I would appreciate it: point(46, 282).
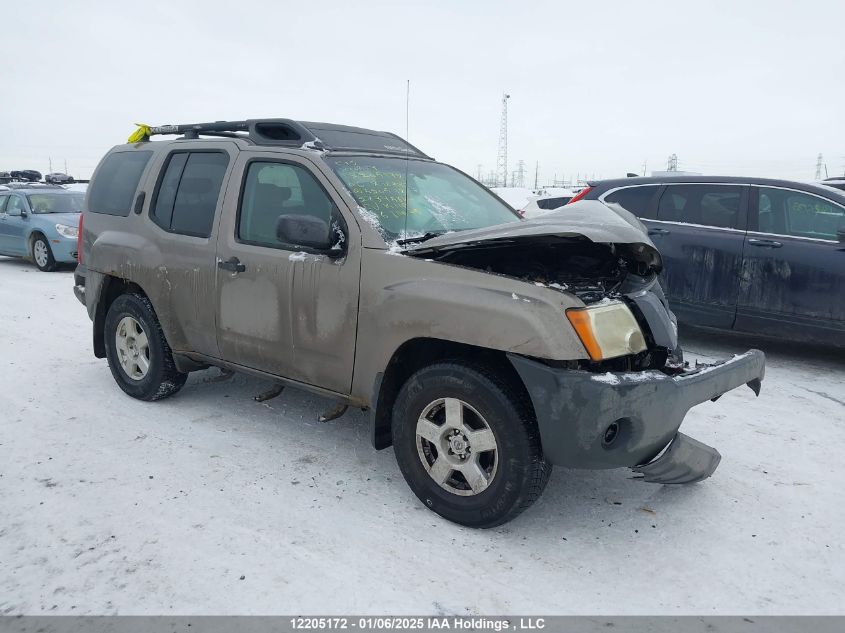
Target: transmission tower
point(536, 173)
point(502, 158)
point(672, 165)
point(819, 163)
point(518, 179)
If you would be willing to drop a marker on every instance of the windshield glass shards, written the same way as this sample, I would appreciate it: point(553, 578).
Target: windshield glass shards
point(439, 198)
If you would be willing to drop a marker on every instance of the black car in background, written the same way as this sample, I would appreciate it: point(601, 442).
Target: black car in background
point(749, 254)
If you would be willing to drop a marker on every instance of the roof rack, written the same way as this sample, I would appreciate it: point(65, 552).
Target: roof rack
point(259, 131)
point(290, 133)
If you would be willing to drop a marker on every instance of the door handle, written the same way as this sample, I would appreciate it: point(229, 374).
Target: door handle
point(658, 232)
point(764, 243)
point(233, 265)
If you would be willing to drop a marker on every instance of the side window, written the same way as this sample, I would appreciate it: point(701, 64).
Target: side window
point(3, 201)
point(708, 205)
point(188, 191)
point(637, 200)
point(273, 190)
point(117, 178)
point(785, 212)
point(15, 205)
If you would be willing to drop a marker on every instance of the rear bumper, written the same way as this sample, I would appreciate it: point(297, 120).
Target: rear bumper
point(79, 283)
point(626, 419)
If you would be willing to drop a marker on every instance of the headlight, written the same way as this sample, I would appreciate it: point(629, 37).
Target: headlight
point(67, 231)
point(607, 330)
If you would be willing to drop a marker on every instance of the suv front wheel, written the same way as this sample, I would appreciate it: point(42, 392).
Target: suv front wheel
point(467, 443)
point(139, 357)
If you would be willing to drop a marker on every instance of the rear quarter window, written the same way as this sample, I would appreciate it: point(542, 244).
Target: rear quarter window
point(637, 200)
point(116, 181)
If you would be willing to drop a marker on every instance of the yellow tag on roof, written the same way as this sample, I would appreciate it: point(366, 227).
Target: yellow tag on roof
point(141, 134)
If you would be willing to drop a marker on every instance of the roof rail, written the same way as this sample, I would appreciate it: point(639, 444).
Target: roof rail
point(260, 131)
point(289, 133)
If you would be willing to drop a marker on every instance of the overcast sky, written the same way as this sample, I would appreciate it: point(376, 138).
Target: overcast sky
point(596, 87)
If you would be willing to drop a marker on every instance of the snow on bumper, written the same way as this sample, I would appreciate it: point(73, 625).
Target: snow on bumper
point(626, 419)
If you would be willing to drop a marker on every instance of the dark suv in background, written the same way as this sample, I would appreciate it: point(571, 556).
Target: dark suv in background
point(750, 254)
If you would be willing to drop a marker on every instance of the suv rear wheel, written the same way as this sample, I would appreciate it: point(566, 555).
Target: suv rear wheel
point(467, 444)
point(139, 357)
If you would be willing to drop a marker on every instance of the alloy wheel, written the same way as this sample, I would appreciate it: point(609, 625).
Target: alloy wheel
point(40, 253)
point(456, 446)
point(133, 348)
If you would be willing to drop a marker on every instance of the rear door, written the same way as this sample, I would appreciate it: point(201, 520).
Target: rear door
point(700, 232)
point(793, 275)
point(188, 190)
point(281, 308)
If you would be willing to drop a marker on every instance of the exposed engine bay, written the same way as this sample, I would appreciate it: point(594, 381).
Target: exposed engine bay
point(591, 271)
point(588, 270)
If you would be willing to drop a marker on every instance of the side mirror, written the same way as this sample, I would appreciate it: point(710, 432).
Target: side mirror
point(23, 213)
point(303, 230)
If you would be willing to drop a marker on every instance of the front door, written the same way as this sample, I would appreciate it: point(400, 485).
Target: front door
point(3, 200)
point(794, 266)
point(284, 309)
point(13, 226)
point(699, 231)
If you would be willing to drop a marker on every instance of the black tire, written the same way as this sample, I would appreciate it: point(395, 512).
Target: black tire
point(162, 379)
point(48, 265)
point(521, 473)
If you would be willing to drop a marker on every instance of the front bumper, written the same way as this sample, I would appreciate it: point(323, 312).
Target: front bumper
point(64, 249)
point(626, 419)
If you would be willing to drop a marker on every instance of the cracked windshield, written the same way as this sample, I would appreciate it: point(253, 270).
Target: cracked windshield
point(440, 199)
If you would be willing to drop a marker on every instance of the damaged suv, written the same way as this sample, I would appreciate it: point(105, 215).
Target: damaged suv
point(345, 261)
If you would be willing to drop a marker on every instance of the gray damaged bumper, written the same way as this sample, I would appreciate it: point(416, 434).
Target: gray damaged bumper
point(685, 461)
point(626, 419)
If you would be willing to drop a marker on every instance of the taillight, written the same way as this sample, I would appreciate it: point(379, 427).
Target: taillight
point(580, 195)
point(79, 239)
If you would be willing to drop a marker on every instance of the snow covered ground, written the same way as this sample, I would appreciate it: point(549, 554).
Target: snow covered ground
point(210, 503)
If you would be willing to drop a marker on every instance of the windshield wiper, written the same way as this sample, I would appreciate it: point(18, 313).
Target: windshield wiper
point(420, 238)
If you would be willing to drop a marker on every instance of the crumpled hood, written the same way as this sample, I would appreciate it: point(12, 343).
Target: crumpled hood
point(590, 219)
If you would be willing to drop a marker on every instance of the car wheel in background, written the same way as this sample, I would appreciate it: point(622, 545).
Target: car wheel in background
point(42, 254)
point(467, 443)
point(139, 357)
